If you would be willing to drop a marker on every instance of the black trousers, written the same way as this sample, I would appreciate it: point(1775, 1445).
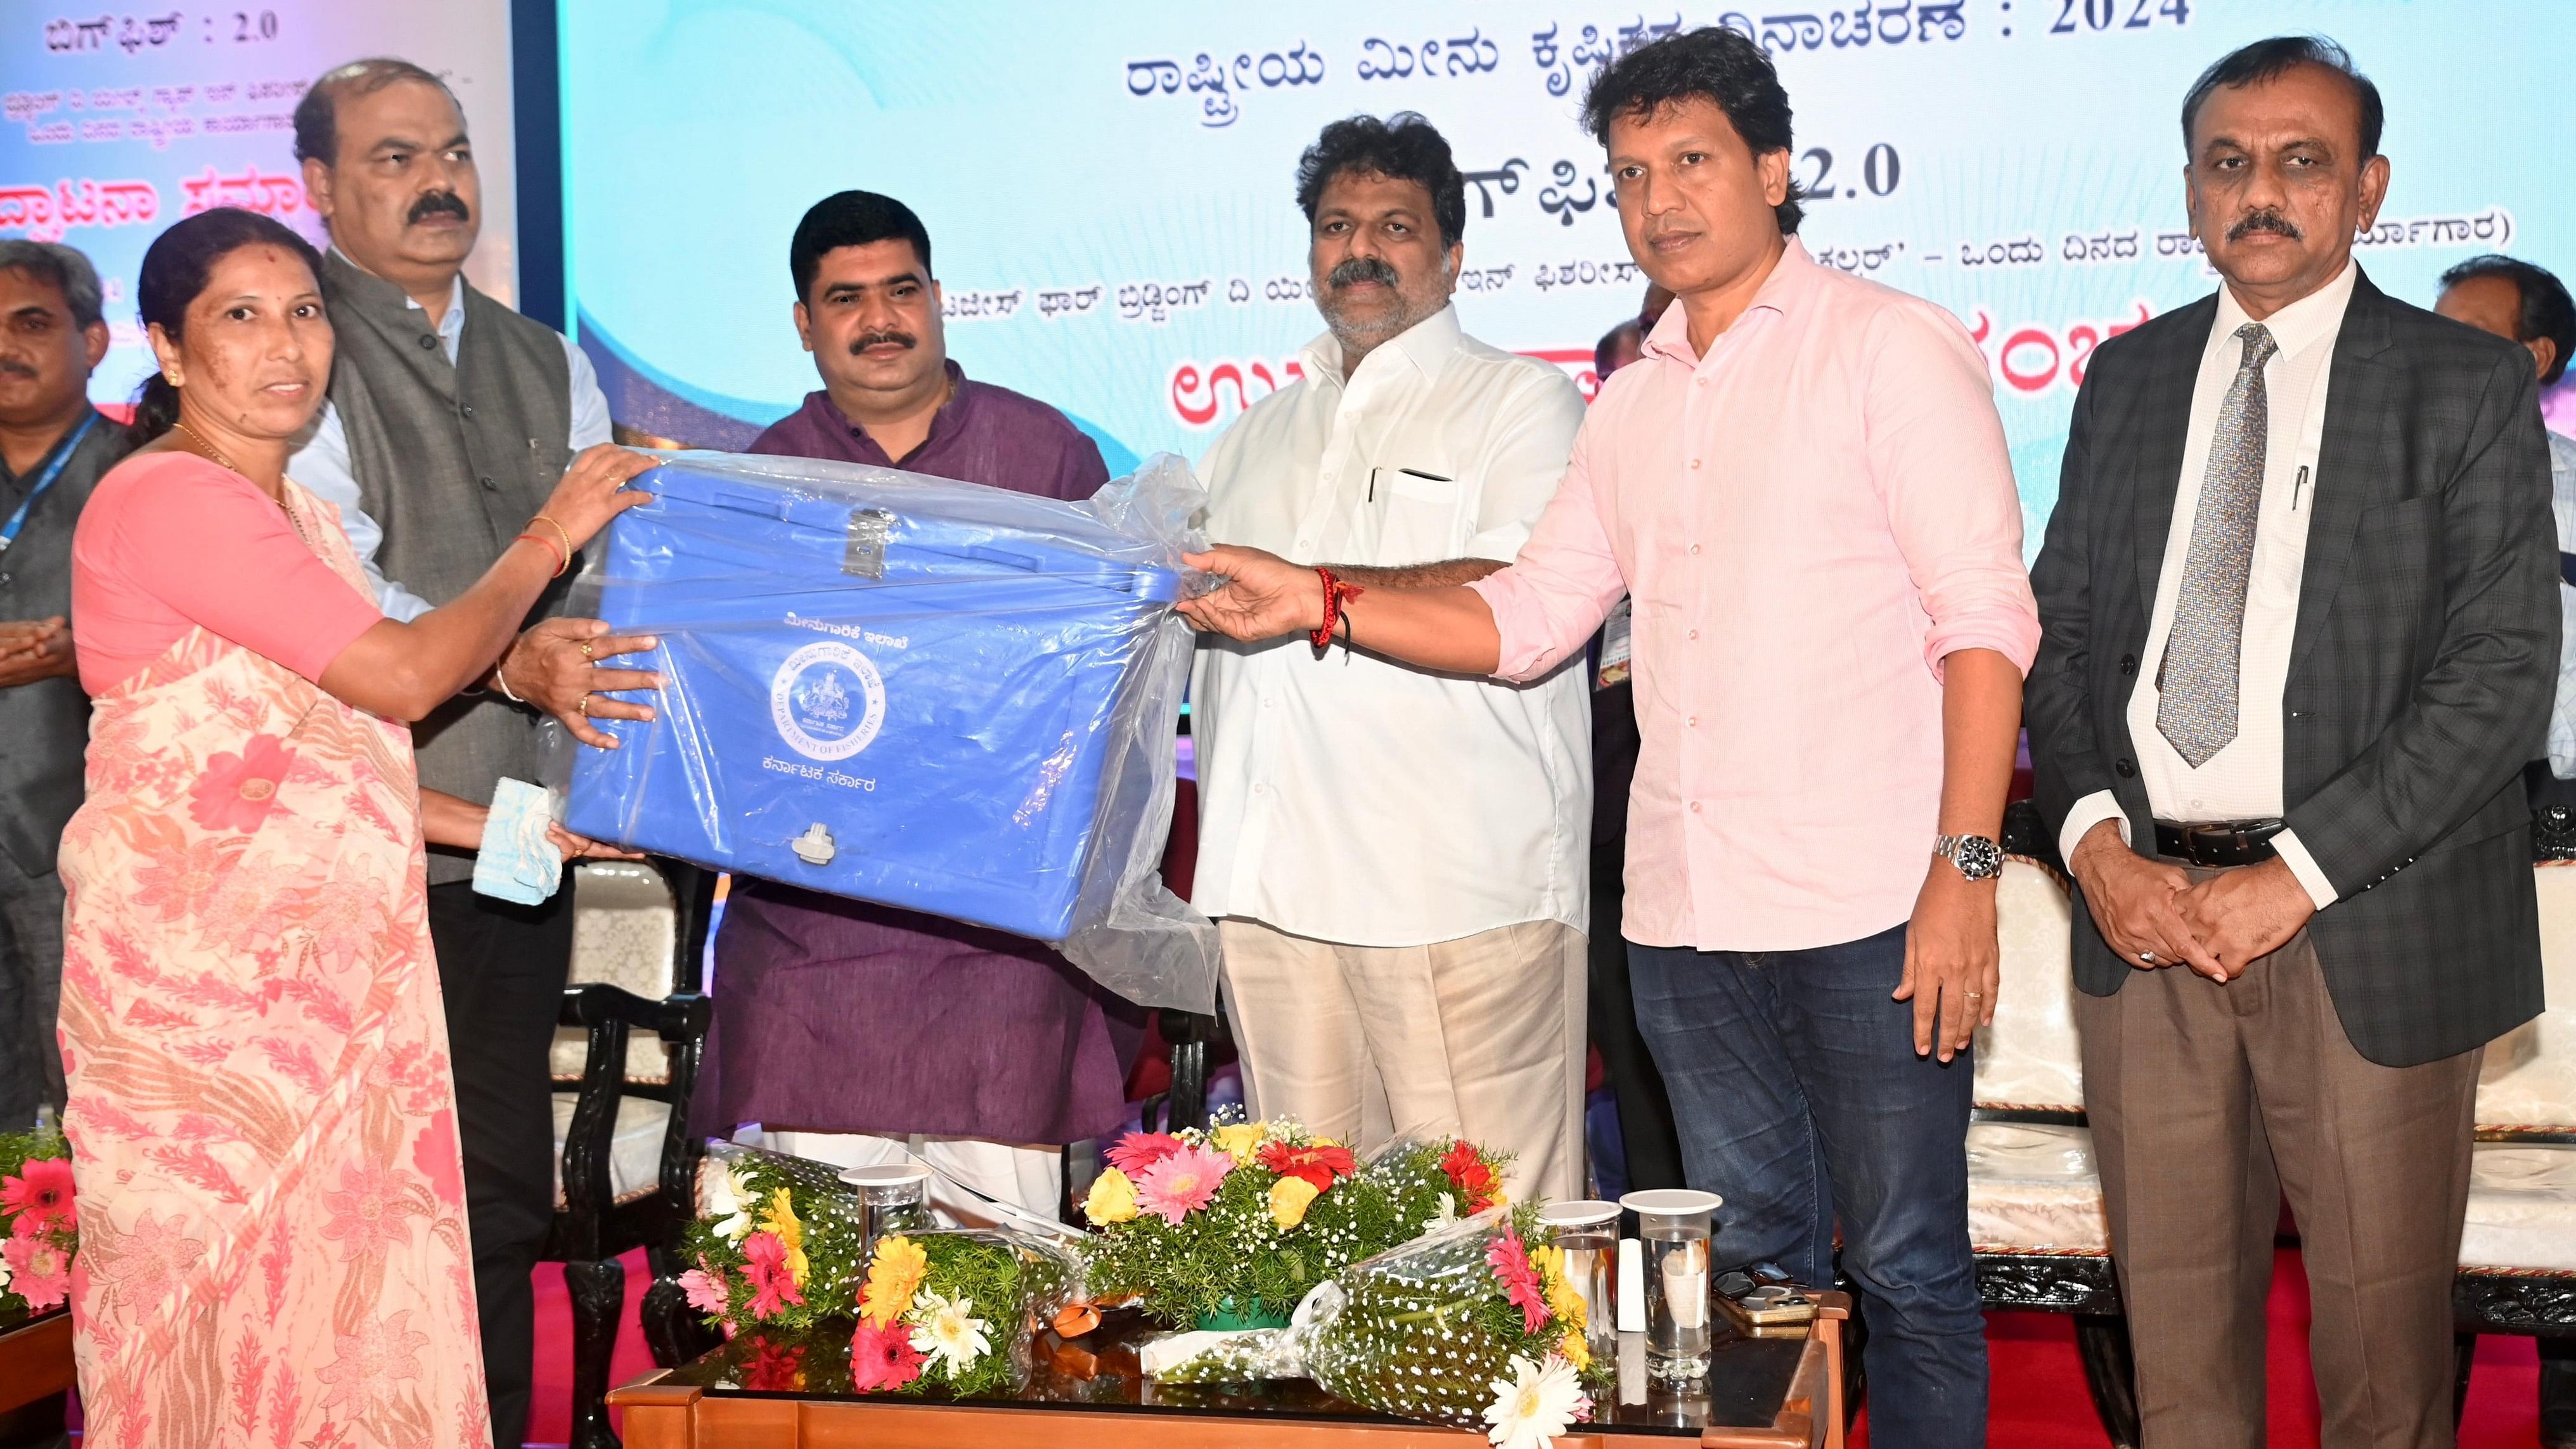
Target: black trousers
point(1645, 1115)
point(502, 970)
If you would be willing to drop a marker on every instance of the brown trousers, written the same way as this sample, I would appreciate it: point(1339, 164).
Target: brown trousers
point(2208, 1102)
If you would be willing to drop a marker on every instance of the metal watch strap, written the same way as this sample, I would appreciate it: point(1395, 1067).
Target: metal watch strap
point(1976, 857)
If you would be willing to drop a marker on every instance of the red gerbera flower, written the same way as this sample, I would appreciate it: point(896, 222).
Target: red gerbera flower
point(883, 1358)
point(766, 1266)
point(1140, 1150)
point(1471, 1174)
point(1320, 1166)
point(41, 1193)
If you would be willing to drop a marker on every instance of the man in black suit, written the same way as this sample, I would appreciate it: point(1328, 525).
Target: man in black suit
point(53, 449)
point(2301, 633)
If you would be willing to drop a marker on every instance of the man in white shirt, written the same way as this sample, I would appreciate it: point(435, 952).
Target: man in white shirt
point(2298, 641)
point(1397, 859)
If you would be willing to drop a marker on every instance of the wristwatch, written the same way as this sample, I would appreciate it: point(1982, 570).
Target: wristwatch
point(1976, 857)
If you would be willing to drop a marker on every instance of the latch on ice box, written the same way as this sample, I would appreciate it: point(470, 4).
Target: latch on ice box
point(865, 554)
point(815, 846)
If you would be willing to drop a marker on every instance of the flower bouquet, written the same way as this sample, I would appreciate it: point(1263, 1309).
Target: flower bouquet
point(40, 1219)
point(778, 1240)
point(1231, 1227)
point(957, 1309)
point(1467, 1326)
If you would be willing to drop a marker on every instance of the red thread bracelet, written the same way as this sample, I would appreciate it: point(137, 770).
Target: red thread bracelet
point(548, 544)
point(1336, 593)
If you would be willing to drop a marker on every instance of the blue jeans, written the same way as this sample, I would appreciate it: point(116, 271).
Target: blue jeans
point(1799, 1099)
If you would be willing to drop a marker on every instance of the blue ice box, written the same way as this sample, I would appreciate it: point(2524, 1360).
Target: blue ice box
point(896, 689)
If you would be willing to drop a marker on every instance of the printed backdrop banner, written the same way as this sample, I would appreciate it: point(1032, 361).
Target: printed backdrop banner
point(1109, 188)
point(120, 122)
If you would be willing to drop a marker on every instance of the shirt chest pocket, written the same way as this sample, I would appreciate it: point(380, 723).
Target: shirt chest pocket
point(1420, 515)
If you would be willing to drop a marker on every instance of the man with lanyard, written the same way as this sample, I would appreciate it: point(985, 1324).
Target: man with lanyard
point(53, 448)
point(451, 418)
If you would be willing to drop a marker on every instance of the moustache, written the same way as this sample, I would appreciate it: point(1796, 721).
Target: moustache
point(436, 203)
point(15, 368)
point(866, 340)
point(1361, 269)
point(2268, 219)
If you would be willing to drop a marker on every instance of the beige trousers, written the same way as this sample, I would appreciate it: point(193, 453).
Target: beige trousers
point(1481, 1037)
point(2208, 1103)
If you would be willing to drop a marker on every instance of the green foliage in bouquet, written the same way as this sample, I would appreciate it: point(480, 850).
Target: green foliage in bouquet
point(1468, 1326)
point(1241, 1222)
point(39, 1221)
point(777, 1240)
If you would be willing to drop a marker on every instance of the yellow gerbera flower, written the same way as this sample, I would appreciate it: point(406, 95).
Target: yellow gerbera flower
point(780, 1218)
point(1112, 1199)
point(1575, 1350)
point(1289, 1199)
point(1563, 1299)
point(894, 1275)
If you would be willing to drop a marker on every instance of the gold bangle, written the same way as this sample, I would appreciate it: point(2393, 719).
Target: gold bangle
point(560, 532)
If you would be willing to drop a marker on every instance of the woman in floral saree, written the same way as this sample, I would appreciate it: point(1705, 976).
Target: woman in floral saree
point(263, 1129)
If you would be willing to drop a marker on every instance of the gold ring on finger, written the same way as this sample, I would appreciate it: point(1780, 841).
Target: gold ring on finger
point(586, 654)
point(584, 704)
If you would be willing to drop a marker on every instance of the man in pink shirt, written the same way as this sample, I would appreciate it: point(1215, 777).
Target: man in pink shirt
point(1804, 489)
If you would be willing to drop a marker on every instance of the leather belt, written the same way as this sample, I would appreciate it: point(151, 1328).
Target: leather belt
point(2219, 842)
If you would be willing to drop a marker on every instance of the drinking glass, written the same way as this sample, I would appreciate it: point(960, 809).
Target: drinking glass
point(1675, 1225)
point(1587, 1232)
point(893, 1198)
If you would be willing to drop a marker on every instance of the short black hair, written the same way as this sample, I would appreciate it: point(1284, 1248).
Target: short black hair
point(851, 219)
point(1403, 147)
point(2546, 308)
point(2267, 60)
point(1713, 63)
point(66, 270)
point(317, 115)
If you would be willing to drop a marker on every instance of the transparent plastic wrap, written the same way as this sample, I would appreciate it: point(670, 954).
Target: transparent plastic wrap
point(928, 694)
point(1432, 1330)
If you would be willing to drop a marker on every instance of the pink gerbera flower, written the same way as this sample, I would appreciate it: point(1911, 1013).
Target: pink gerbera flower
point(236, 791)
point(883, 1357)
point(39, 1271)
point(706, 1290)
point(772, 1287)
point(1140, 1150)
point(1173, 1187)
point(1520, 1280)
point(41, 1193)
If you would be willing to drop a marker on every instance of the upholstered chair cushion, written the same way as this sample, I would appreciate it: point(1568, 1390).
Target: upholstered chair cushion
point(624, 927)
point(2530, 1075)
point(2034, 1188)
point(2522, 1207)
point(634, 1148)
point(2028, 1058)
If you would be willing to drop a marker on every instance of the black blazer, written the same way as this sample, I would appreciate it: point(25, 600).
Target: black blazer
point(2422, 664)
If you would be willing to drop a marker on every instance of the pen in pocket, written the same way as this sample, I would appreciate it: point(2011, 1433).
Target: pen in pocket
point(2298, 486)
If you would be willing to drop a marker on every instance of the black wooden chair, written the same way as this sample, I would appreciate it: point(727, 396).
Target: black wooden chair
point(633, 1027)
point(2518, 1249)
point(2034, 1189)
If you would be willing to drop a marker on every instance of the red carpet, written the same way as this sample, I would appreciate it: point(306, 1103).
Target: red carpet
point(2040, 1401)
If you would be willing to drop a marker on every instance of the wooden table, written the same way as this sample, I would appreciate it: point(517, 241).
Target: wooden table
point(781, 1392)
point(35, 1368)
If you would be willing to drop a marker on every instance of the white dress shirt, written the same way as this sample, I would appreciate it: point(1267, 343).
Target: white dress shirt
point(321, 460)
point(2243, 780)
point(2562, 502)
point(1349, 799)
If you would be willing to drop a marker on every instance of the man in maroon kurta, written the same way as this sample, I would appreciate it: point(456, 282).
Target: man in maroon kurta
point(849, 1030)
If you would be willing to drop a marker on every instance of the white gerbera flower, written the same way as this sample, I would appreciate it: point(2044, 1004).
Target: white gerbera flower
point(4, 1274)
point(1442, 1216)
point(943, 1332)
point(1539, 1402)
point(730, 1201)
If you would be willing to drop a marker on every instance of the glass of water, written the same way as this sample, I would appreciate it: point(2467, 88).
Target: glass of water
point(1588, 1234)
point(895, 1198)
point(1675, 1224)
